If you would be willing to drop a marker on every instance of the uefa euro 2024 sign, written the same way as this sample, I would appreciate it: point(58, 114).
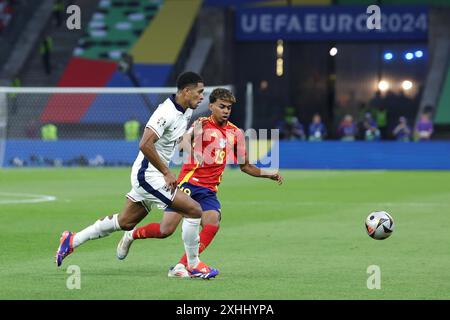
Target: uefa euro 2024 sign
point(332, 23)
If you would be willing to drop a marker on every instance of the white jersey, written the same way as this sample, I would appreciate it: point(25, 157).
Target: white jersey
point(169, 122)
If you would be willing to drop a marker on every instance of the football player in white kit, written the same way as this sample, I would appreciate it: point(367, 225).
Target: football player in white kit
point(152, 181)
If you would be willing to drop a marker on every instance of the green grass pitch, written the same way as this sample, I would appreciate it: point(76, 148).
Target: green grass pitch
point(302, 240)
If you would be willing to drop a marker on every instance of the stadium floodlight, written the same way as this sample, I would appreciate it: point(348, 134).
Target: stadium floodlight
point(418, 54)
point(383, 85)
point(280, 48)
point(409, 56)
point(388, 56)
point(333, 51)
point(280, 69)
point(407, 85)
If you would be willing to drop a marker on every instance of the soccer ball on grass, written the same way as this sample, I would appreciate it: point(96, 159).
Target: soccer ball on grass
point(379, 225)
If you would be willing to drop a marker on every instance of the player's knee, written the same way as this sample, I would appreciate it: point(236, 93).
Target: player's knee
point(126, 225)
point(211, 219)
point(195, 211)
point(166, 231)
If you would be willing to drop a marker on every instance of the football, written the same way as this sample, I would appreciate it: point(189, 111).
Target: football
point(379, 225)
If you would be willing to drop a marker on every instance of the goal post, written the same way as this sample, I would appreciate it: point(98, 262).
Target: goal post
point(3, 124)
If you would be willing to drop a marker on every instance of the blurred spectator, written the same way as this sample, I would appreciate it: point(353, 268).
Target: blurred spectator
point(370, 128)
point(290, 127)
point(402, 132)
point(381, 120)
point(347, 129)
point(98, 161)
point(58, 11)
point(424, 128)
point(377, 100)
point(317, 130)
point(49, 132)
point(363, 110)
point(45, 51)
point(132, 129)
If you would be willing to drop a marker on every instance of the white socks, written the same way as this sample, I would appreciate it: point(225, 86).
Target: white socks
point(100, 229)
point(103, 228)
point(191, 239)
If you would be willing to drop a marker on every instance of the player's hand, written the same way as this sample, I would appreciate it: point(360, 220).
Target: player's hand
point(171, 181)
point(277, 177)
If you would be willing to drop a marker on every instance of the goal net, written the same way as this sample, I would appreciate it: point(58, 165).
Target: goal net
point(77, 126)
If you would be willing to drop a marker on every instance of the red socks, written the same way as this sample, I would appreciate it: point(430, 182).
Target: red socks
point(150, 230)
point(206, 236)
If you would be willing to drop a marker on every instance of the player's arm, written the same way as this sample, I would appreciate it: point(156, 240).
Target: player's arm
point(147, 146)
point(254, 171)
point(250, 169)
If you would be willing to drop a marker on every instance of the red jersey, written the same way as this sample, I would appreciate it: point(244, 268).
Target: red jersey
point(218, 146)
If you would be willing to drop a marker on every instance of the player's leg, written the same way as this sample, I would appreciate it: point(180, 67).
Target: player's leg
point(192, 212)
point(210, 226)
point(161, 230)
point(165, 228)
point(210, 217)
point(132, 214)
point(210, 222)
point(162, 197)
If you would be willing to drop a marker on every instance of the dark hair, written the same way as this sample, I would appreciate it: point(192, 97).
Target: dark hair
point(187, 79)
point(223, 94)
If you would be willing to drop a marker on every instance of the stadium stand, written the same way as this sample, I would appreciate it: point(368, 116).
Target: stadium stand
point(79, 72)
point(64, 42)
point(12, 24)
point(436, 86)
point(119, 27)
point(25, 62)
point(115, 27)
point(6, 12)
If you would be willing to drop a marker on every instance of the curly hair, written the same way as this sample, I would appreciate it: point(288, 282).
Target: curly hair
point(222, 94)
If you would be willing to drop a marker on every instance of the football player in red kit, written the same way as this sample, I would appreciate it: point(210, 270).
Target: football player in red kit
point(212, 143)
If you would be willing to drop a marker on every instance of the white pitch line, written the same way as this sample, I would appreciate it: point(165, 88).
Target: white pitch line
point(35, 198)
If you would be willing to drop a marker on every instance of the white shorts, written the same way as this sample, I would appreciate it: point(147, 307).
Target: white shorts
point(145, 193)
